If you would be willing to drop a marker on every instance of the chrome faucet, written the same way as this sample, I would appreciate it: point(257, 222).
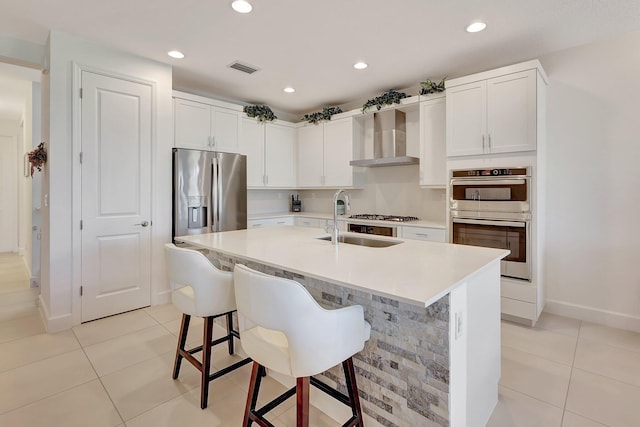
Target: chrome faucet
point(335, 233)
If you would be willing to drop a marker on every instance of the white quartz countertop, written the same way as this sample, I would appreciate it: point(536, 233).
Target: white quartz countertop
point(416, 272)
point(324, 215)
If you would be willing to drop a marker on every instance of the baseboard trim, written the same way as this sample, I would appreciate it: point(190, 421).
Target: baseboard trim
point(54, 324)
point(594, 315)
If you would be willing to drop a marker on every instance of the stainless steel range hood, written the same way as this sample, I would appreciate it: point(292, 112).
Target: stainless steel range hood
point(389, 141)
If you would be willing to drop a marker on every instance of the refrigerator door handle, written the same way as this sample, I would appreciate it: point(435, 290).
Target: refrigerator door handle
point(215, 189)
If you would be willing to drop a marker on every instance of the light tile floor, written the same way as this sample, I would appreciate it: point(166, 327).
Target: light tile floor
point(13, 272)
point(115, 372)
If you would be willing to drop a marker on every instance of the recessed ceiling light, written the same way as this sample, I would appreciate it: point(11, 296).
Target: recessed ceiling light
point(476, 26)
point(289, 89)
point(360, 65)
point(241, 6)
point(176, 54)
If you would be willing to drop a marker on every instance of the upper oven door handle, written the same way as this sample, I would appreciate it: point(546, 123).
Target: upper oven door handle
point(517, 181)
point(521, 224)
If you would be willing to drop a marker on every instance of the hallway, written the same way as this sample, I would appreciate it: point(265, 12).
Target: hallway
point(13, 273)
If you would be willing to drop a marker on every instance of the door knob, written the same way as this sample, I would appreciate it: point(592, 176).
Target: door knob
point(143, 223)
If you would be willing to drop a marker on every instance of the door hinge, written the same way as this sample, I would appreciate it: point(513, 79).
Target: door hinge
point(81, 289)
point(81, 157)
point(80, 93)
point(81, 224)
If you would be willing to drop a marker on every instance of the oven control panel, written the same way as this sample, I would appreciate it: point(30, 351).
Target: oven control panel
point(489, 172)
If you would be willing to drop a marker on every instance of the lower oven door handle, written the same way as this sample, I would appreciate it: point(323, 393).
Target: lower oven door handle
point(522, 224)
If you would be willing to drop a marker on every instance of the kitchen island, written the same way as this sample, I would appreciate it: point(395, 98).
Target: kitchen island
point(434, 308)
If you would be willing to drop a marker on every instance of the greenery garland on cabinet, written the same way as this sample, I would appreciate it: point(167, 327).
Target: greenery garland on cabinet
point(319, 116)
point(390, 97)
point(428, 86)
point(261, 112)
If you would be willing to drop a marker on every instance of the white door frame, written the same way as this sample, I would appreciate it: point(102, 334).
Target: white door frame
point(76, 179)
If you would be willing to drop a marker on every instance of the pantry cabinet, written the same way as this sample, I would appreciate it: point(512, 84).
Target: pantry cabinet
point(271, 153)
point(203, 126)
point(324, 153)
point(433, 153)
point(492, 115)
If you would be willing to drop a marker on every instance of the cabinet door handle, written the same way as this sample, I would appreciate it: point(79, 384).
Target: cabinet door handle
point(422, 234)
point(213, 141)
point(483, 143)
point(256, 225)
point(281, 222)
point(489, 142)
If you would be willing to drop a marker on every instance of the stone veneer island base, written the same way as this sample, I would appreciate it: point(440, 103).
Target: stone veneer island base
point(431, 362)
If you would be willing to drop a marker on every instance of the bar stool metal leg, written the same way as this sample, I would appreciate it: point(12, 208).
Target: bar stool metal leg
point(182, 340)
point(229, 331)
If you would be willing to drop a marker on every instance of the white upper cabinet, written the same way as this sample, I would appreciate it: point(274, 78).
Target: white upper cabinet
point(205, 127)
point(281, 155)
point(251, 144)
point(311, 156)
point(433, 155)
point(493, 115)
point(271, 153)
point(324, 153)
point(192, 122)
point(338, 152)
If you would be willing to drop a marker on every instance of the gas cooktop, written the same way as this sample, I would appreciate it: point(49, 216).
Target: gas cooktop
point(377, 217)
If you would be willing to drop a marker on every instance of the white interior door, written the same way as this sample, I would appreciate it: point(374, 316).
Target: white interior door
point(116, 195)
point(8, 194)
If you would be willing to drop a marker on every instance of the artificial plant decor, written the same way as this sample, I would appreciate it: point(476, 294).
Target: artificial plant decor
point(319, 116)
point(429, 86)
point(37, 158)
point(261, 112)
point(390, 97)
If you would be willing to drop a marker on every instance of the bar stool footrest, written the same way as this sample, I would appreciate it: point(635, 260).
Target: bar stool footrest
point(229, 368)
point(330, 391)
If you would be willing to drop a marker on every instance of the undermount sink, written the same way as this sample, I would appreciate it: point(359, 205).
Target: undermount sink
point(363, 241)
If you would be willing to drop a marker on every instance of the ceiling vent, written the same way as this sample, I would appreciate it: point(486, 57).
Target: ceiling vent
point(245, 68)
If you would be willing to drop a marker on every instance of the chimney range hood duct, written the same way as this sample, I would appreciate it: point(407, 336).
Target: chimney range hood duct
point(389, 141)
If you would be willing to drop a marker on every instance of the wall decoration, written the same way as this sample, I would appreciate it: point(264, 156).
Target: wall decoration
point(37, 158)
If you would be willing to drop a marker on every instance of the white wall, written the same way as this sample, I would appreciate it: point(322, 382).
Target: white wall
point(25, 245)
point(36, 179)
point(392, 190)
point(61, 248)
point(593, 171)
point(8, 185)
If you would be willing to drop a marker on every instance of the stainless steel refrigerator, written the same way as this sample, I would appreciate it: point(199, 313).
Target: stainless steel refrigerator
point(209, 192)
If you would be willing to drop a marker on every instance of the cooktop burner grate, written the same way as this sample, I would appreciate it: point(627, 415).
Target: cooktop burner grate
point(377, 217)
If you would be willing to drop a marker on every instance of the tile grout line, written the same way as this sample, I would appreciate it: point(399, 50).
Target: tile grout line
point(573, 362)
point(99, 379)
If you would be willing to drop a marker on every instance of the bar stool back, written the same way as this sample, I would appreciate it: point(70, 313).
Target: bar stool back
point(200, 289)
point(284, 329)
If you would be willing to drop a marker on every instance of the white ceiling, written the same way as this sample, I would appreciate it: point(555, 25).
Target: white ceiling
point(312, 45)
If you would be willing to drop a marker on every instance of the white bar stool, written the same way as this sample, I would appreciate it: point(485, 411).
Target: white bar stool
point(284, 329)
point(200, 289)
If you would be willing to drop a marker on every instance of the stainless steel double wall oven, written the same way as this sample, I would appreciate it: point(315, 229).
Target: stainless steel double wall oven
point(492, 208)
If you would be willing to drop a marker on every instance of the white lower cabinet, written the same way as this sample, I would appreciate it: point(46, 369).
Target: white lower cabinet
point(423, 233)
point(302, 221)
point(269, 222)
